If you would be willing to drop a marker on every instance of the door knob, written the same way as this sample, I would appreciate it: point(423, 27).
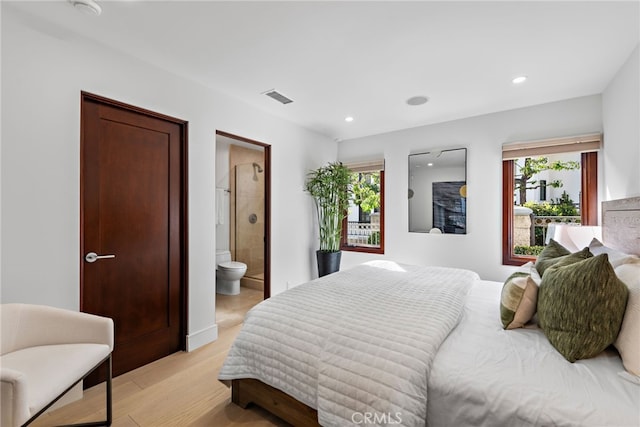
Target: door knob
point(93, 257)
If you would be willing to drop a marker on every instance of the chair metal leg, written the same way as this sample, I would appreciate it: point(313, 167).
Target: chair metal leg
point(109, 394)
point(109, 402)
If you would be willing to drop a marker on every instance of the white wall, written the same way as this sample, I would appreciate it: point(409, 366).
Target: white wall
point(222, 181)
point(621, 122)
point(42, 76)
point(480, 249)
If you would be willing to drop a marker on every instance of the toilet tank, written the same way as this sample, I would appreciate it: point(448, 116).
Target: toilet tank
point(222, 256)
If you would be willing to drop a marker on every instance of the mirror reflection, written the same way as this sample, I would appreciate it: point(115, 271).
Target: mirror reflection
point(438, 192)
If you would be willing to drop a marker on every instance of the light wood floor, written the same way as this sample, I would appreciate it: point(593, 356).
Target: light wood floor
point(180, 390)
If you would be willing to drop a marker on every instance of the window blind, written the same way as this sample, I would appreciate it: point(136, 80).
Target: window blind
point(582, 144)
point(366, 166)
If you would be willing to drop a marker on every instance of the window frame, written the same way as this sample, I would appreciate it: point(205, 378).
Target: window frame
point(366, 249)
point(588, 203)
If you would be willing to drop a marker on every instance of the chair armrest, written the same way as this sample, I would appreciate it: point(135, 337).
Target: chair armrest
point(13, 395)
point(30, 325)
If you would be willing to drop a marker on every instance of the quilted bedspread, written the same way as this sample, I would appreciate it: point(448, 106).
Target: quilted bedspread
point(356, 345)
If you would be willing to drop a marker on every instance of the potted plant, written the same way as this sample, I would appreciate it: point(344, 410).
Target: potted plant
point(329, 187)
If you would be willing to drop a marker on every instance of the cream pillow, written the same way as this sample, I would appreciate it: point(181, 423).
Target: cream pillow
point(616, 258)
point(628, 341)
point(519, 297)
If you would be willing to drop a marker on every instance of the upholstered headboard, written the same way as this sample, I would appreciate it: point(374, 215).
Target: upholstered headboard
point(621, 224)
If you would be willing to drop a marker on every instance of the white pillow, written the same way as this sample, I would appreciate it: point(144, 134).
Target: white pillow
point(616, 258)
point(535, 276)
point(526, 268)
point(628, 341)
point(574, 237)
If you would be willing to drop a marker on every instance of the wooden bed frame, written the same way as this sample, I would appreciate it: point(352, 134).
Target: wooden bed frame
point(620, 230)
point(246, 391)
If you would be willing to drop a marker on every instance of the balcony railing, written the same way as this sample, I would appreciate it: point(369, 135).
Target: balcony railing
point(531, 230)
point(363, 233)
point(543, 222)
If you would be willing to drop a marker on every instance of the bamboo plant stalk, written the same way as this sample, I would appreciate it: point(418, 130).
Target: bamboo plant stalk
point(329, 187)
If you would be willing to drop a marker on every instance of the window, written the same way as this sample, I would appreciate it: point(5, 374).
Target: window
point(364, 225)
point(544, 183)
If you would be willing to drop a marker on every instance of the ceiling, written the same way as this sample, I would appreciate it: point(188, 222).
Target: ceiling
point(365, 59)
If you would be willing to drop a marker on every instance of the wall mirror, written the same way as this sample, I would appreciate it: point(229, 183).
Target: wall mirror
point(438, 192)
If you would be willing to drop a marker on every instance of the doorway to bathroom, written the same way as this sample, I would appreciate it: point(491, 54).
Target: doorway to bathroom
point(242, 226)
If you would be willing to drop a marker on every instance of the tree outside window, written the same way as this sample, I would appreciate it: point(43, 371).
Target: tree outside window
point(545, 182)
point(365, 224)
point(532, 215)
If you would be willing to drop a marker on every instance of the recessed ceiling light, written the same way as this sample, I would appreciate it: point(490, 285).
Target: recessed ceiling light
point(348, 119)
point(89, 7)
point(417, 100)
point(518, 80)
point(429, 164)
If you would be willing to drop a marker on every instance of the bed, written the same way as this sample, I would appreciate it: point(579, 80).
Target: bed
point(371, 345)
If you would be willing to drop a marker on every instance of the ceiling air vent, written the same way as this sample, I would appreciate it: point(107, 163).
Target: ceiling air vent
point(278, 96)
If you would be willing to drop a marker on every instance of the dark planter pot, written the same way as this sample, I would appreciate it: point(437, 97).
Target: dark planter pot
point(328, 262)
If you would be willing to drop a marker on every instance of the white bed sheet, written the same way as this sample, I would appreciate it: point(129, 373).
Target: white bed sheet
point(484, 375)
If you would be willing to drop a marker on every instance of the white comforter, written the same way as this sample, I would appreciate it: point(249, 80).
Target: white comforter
point(484, 375)
point(356, 345)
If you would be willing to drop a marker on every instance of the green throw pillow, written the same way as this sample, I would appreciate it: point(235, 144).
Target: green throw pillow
point(571, 258)
point(555, 253)
point(552, 251)
point(581, 306)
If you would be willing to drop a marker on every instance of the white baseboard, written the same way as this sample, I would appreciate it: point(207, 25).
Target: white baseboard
point(202, 337)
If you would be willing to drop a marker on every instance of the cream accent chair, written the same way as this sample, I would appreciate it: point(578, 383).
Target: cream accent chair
point(44, 353)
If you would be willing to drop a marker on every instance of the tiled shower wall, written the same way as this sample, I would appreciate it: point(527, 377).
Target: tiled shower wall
point(246, 212)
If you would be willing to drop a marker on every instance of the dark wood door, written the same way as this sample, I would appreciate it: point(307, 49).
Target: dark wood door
point(133, 207)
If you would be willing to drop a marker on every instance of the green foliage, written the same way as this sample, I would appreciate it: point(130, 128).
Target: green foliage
point(365, 188)
point(329, 187)
point(374, 238)
point(565, 206)
point(528, 250)
point(562, 206)
point(541, 209)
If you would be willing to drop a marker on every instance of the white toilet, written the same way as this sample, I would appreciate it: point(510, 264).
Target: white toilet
point(228, 273)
